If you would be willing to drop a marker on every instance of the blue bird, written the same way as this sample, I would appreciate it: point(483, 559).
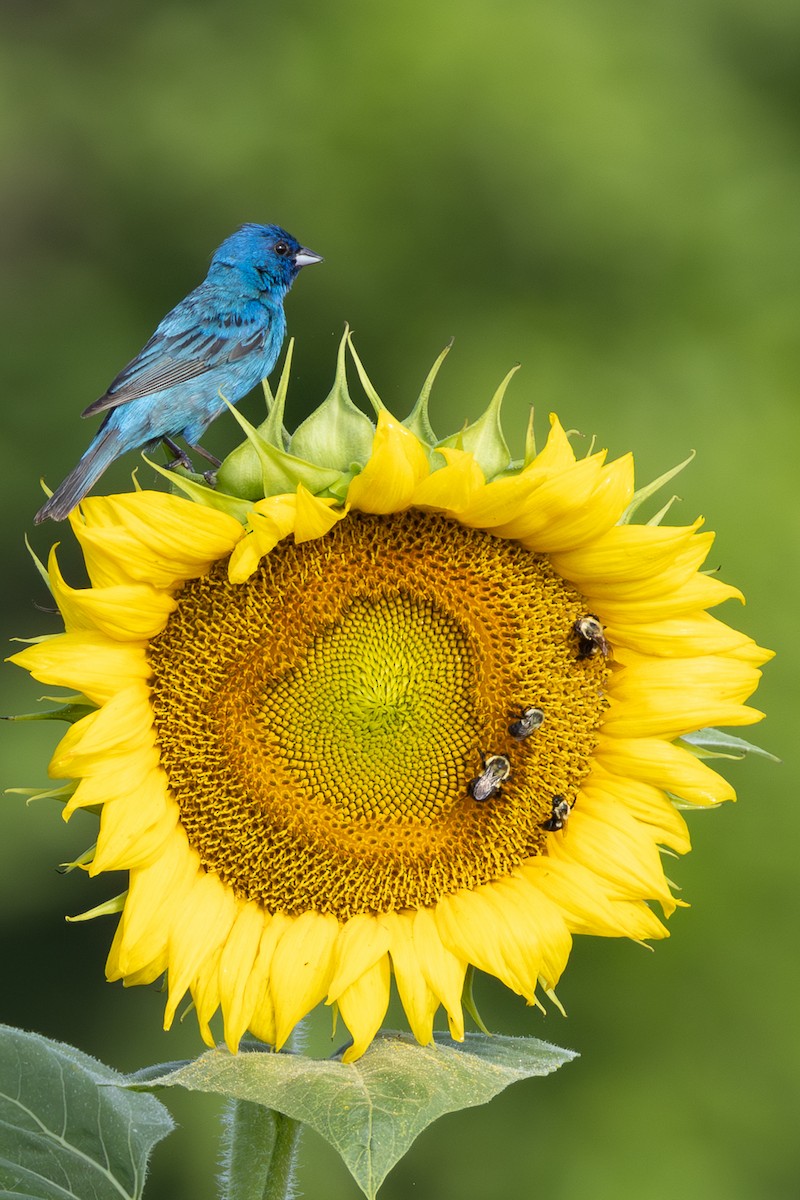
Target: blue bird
point(223, 338)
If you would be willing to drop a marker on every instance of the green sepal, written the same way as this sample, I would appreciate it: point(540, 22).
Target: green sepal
point(68, 712)
point(201, 493)
point(82, 862)
point(106, 909)
point(63, 793)
point(40, 567)
point(644, 493)
point(530, 441)
point(338, 433)
point(240, 472)
point(418, 420)
point(468, 1000)
point(340, 488)
point(484, 438)
point(658, 517)
point(273, 429)
point(279, 472)
point(366, 382)
point(714, 743)
point(35, 641)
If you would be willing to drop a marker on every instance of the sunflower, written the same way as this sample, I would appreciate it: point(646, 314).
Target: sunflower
point(386, 706)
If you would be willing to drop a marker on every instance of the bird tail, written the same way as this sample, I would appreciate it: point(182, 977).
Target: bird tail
point(101, 453)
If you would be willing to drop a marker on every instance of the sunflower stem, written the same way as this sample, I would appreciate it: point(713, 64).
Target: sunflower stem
point(258, 1153)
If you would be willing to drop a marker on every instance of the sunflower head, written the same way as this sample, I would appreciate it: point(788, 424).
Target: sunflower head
point(386, 705)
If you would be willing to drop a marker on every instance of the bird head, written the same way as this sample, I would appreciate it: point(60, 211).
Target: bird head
point(266, 251)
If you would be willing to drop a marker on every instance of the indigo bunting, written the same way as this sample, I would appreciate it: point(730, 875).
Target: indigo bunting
point(224, 337)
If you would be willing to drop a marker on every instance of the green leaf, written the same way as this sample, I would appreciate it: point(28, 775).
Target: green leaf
point(713, 743)
point(371, 1110)
point(67, 1127)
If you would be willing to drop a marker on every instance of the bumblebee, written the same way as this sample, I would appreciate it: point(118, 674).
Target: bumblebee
point(591, 637)
point(560, 815)
point(495, 769)
point(528, 720)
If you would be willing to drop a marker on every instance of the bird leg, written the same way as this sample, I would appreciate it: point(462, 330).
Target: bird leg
point(206, 454)
point(209, 476)
point(179, 457)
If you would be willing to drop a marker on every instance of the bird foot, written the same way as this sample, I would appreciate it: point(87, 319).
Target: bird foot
point(179, 457)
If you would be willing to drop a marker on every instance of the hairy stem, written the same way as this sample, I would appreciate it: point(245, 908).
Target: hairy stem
point(258, 1153)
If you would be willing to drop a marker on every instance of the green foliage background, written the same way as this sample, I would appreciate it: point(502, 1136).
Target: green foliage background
point(603, 189)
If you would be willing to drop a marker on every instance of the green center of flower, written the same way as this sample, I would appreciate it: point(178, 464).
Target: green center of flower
point(321, 724)
point(379, 715)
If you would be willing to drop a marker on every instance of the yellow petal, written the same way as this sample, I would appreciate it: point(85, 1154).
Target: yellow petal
point(444, 971)
point(315, 516)
point(125, 612)
point(534, 938)
point(362, 941)
point(580, 524)
point(118, 777)
point(557, 454)
point(418, 1000)
point(262, 1020)
point(395, 467)
point(300, 971)
point(85, 662)
point(269, 522)
point(134, 830)
point(148, 973)
point(669, 697)
point(123, 725)
point(466, 926)
point(664, 765)
point(633, 552)
point(450, 488)
point(200, 925)
point(145, 924)
point(605, 839)
point(645, 803)
point(584, 902)
point(549, 501)
point(151, 537)
point(693, 633)
point(235, 971)
point(666, 595)
point(363, 1006)
point(501, 501)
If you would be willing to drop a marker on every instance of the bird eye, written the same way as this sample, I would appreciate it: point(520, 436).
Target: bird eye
point(281, 248)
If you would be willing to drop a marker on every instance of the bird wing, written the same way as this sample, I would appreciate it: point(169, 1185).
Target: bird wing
point(169, 359)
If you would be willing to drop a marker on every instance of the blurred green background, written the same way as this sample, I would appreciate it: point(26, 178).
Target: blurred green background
point(605, 190)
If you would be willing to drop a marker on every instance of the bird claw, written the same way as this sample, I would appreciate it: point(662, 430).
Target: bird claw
point(179, 457)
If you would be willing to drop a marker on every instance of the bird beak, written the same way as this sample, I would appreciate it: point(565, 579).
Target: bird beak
point(304, 257)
